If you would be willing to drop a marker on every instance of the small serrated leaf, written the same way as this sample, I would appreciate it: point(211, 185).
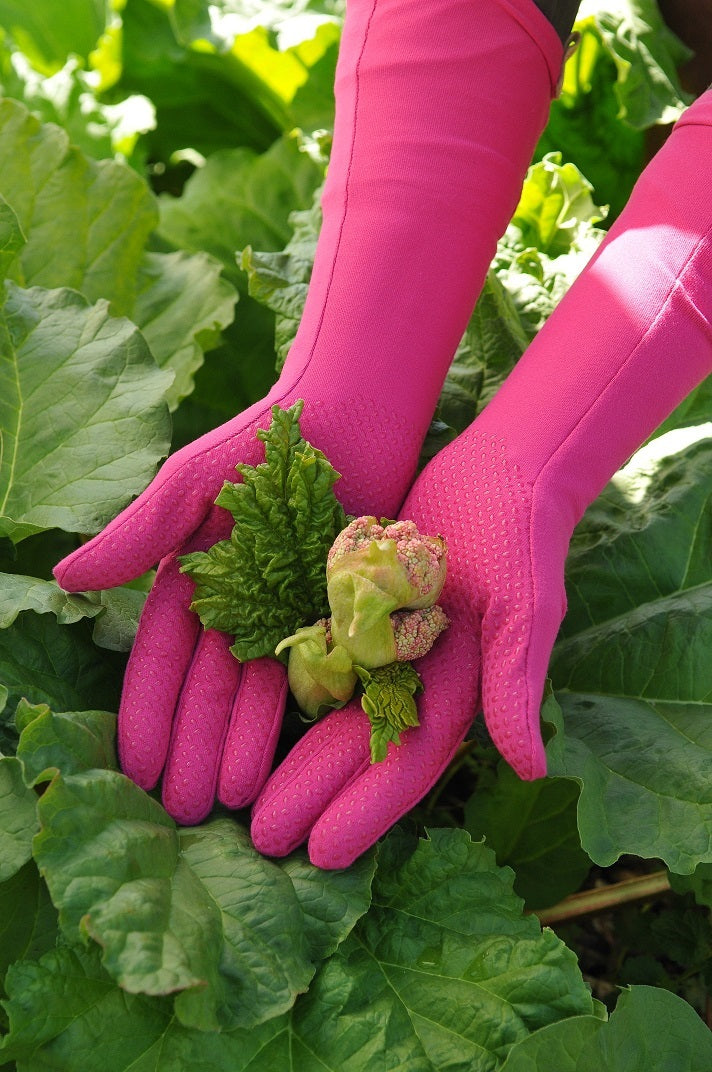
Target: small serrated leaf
point(268, 578)
point(389, 701)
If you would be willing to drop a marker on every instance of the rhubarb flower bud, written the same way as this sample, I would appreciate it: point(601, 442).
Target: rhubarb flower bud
point(320, 676)
point(415, 631)
point(373, 570)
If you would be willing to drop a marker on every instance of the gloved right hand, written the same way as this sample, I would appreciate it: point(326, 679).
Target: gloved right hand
point(631, 338)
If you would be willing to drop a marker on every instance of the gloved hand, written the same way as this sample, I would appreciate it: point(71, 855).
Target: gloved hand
point(419, 190)
point(632, 337)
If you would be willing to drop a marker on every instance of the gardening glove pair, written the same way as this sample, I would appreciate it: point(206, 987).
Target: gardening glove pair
point(631, 338)
point(438, 108)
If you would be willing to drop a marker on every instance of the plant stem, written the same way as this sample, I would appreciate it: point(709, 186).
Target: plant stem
point(605, 897)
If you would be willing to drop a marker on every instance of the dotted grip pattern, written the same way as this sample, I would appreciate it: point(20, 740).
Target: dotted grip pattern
point(327, 789)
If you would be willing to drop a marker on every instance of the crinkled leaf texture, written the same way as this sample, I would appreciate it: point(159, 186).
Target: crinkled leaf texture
point(269, 578)
point(443, 971)
point(632, 670)
point(650, 1029)
point(109, 425)
point(197, 912)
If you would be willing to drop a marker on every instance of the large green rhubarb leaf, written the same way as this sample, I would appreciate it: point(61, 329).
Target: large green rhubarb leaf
point(632, 670)
point(86, 222)
point(199, 912)
point(650, 1029)
point(444, 971)
point(86, 226)
point(108, 426)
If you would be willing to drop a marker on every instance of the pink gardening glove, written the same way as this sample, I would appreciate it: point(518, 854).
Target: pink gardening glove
point(419, 190)
point(629, 341)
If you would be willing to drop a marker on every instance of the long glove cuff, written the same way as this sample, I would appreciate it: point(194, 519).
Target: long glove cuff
point(628, 342)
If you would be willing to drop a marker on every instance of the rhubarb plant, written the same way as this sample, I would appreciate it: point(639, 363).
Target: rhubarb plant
point(159, 161)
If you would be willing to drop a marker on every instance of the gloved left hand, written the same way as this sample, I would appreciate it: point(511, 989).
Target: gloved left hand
point(417, 194)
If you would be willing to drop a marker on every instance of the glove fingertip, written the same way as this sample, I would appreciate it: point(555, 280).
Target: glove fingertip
point(271, 839)
point(86, 570)
point(65, 574)
point(331, 851)
point(331, 859)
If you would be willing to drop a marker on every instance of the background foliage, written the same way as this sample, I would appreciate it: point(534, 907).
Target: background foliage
point(160, 166)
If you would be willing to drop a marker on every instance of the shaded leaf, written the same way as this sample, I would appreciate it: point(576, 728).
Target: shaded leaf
point(182, 306)
point(115, 627)
point(28, 921)
point(18, 817)
point(69, 741)
point(532, 828)
point(18, 593)
point(115, 611)
point(58, 665)
point(201, 100)
point(649, 1029)
point(631, 668)
point(238, 373)
point(643, 771)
